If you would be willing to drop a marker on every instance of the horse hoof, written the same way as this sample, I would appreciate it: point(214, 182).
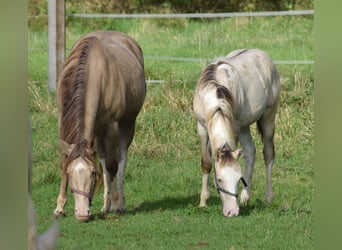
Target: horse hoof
point(121, 211)
point(58, 214)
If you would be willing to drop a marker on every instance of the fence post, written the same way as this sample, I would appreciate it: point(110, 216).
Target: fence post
point(56, 38)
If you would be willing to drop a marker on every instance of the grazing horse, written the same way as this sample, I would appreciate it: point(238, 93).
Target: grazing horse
point(100, 92)
point(231, 94)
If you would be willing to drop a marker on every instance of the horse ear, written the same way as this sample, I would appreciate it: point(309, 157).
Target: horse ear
point(66, 147)
point(237, 153)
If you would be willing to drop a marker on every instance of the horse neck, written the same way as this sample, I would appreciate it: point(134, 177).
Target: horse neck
point(221, 131)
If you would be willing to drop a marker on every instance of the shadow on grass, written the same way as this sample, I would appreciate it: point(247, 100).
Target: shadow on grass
point(186, 203)
point(168, 203)
point(258, 205)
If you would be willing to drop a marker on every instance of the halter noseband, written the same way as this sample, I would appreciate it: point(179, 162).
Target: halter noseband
point(219, 189)
point(86, 194)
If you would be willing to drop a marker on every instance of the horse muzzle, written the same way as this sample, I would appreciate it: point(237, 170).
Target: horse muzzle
point(83, 215)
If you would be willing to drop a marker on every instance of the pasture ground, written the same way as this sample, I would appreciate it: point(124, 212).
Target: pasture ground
point(163, 177)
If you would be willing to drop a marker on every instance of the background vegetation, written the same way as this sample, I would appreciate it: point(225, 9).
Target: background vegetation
point(40, 7)
point(163, 177)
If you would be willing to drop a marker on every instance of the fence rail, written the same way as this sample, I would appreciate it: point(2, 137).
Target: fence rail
point(197, 15)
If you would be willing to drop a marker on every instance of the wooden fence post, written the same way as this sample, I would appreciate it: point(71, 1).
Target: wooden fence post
point(56, 29)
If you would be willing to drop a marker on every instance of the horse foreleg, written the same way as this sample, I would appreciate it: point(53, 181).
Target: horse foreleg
point(247, 143)
point(205, 194)
point(205, 164)
point(107, 187)
point(62, 198)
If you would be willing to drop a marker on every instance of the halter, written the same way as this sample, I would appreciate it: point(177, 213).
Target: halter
point(86, 194)
point(219, 189)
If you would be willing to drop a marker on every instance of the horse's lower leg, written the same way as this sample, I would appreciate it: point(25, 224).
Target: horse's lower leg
point(267, 127)
point(269, 158)
point(205, 164)
point(205, 194)
point(62, 198)
point(247, 143)
point(118, 196)
point(107, 190)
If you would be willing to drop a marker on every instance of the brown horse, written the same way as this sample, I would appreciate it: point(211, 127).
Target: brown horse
point(100, 92)
point(231, 94)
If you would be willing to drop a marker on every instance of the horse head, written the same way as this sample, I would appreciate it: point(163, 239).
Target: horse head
point(81, 176)
point(227, 174)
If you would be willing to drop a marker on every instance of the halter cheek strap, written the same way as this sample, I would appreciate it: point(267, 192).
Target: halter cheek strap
point(219, 189)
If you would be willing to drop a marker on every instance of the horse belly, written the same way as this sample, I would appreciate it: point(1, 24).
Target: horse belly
point(252, 109)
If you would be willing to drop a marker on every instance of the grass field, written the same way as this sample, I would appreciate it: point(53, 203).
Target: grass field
point(163, 177)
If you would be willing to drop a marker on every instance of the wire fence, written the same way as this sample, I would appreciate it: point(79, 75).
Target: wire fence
point(197, 15)
point(188, 15)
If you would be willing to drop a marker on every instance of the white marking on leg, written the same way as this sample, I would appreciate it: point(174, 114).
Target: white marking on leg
point(205, 194)
point(106, 188)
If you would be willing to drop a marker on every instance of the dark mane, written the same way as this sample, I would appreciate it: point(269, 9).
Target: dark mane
point(81, 149)
point(72, 89)
point(208, 74)
point(72, 84)
point(209, 78)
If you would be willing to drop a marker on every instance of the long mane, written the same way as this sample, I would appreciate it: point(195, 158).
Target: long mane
point(225, 107)
point(71, 98)
point(227, 102)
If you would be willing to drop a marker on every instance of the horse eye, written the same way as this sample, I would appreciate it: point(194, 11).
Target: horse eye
point(219, 180)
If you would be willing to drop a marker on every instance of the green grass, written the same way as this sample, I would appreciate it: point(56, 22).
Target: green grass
point(163, 177)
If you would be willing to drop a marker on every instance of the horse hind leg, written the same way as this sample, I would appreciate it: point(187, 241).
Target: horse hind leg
point(126, 134)
point(118, 196)
point(266, 126)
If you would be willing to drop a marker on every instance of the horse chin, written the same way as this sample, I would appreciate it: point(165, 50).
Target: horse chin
point(230, 210)
point(83, 218)
point(82, 211)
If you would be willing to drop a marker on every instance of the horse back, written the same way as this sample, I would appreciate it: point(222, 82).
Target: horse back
point(101, 81)
point(253, 78)
point(117, 68)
